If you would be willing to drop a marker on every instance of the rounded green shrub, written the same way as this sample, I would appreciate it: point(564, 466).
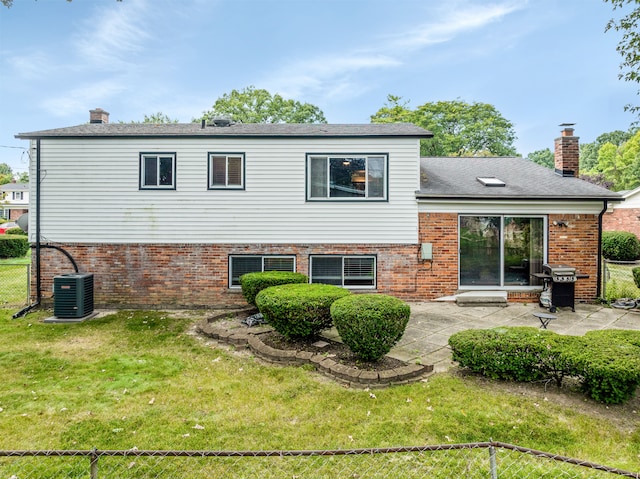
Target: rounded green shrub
point(15, 231)
point(253, 283)
point(511, 353)
point(13, 246)
point(620, 246)
point(299, 310)
point(370, 324)
point(609, 371)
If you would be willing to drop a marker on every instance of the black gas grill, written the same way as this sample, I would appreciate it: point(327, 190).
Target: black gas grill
point(561, 280)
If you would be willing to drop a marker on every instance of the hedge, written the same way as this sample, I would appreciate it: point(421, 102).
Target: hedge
point(607, 363)
point(299, 310)
point(620, 246)
point(253, 283)
point(370, 324)
point(13, 246)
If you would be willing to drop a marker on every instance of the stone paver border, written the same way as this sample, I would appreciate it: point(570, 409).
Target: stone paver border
point(225, 327)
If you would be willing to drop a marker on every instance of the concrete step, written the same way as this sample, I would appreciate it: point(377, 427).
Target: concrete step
point(482, 298)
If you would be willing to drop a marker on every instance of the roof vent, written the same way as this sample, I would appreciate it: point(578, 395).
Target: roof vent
point(221, 121)
point(490, 181)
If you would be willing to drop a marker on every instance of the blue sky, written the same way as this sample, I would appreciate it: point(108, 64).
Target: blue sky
point(539, 62)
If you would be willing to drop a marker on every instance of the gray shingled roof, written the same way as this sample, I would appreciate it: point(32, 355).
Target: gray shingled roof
point(273, 130)
point(456, 178)
point(14, 187)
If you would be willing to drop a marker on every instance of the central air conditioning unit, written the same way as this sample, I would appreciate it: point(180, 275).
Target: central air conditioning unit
point(73, 295)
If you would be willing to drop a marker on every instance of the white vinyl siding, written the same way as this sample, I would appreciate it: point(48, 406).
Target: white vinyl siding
point(243, 264)
point(103, 203)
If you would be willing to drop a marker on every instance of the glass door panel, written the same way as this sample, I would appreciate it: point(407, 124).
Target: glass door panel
point(480, 251)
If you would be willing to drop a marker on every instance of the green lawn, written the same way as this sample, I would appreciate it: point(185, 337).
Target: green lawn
point(140, 379)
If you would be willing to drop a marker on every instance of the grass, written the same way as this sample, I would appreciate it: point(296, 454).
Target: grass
point(140, 379)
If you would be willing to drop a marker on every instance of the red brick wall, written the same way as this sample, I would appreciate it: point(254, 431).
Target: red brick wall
point(622, 219)
point(15, 214)
point(575, 245)
point(439, 277)
point(186, 275)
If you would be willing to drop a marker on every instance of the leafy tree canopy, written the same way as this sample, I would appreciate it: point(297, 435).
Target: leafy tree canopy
point(459, 128)
point(629, 45)
point(543, 157)
point(619, 165)
point(156, 118)
point(589, 151)
point(252, 105)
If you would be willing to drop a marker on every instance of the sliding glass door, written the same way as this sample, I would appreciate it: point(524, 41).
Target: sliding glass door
point(498, 251)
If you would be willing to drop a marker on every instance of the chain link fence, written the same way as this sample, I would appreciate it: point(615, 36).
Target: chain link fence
point(618, 280)
point(14, 284)
point(474, 460)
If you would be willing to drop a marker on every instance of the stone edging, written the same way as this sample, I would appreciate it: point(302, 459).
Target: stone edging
point(250, 337)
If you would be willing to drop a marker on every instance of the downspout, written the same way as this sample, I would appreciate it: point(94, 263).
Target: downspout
point(38, 179)
point(599, 270)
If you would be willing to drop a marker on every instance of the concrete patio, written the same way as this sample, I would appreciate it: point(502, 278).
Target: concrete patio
point(431, 324)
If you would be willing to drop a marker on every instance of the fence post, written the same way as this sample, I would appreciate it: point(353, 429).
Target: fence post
point(492, 462)
point(94, 464)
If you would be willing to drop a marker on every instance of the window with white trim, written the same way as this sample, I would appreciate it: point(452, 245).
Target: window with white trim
point(243, 264)
point(157, 171)
point(226, 171)
point(347, 271)
point(347, 177)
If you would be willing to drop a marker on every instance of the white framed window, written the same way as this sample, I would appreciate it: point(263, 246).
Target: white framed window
point(348, 177)
point(243, 264)
point(157, 171)
point(346, 271)
point(226, 171)
point(17, 195)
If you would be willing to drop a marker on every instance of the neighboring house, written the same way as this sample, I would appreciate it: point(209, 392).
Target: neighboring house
point(172, 215)
point(624, 216)
point(14, 200)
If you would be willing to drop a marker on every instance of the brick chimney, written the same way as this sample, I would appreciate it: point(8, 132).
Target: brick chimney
point(98, 116)
point(567, 152)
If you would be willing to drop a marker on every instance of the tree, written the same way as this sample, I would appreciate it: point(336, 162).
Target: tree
point(6, 174)
point(629, 45)
point(252, 105)
point(543, 157)
point(156, 118)
point(589, 151)
point(620, 165)
point(459, 128)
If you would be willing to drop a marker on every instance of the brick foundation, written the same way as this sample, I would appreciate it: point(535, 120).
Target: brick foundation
point(196, 275)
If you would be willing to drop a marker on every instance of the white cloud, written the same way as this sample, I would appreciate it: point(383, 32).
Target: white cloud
point(343, 75)
point(454, 19)
point(114, 35)
point(326, 76)
point(84, 97)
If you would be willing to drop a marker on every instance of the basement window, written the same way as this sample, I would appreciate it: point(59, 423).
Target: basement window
point(490, 181)
point(242, 264)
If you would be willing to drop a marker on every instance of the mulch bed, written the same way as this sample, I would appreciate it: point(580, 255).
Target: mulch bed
point(337, 351)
